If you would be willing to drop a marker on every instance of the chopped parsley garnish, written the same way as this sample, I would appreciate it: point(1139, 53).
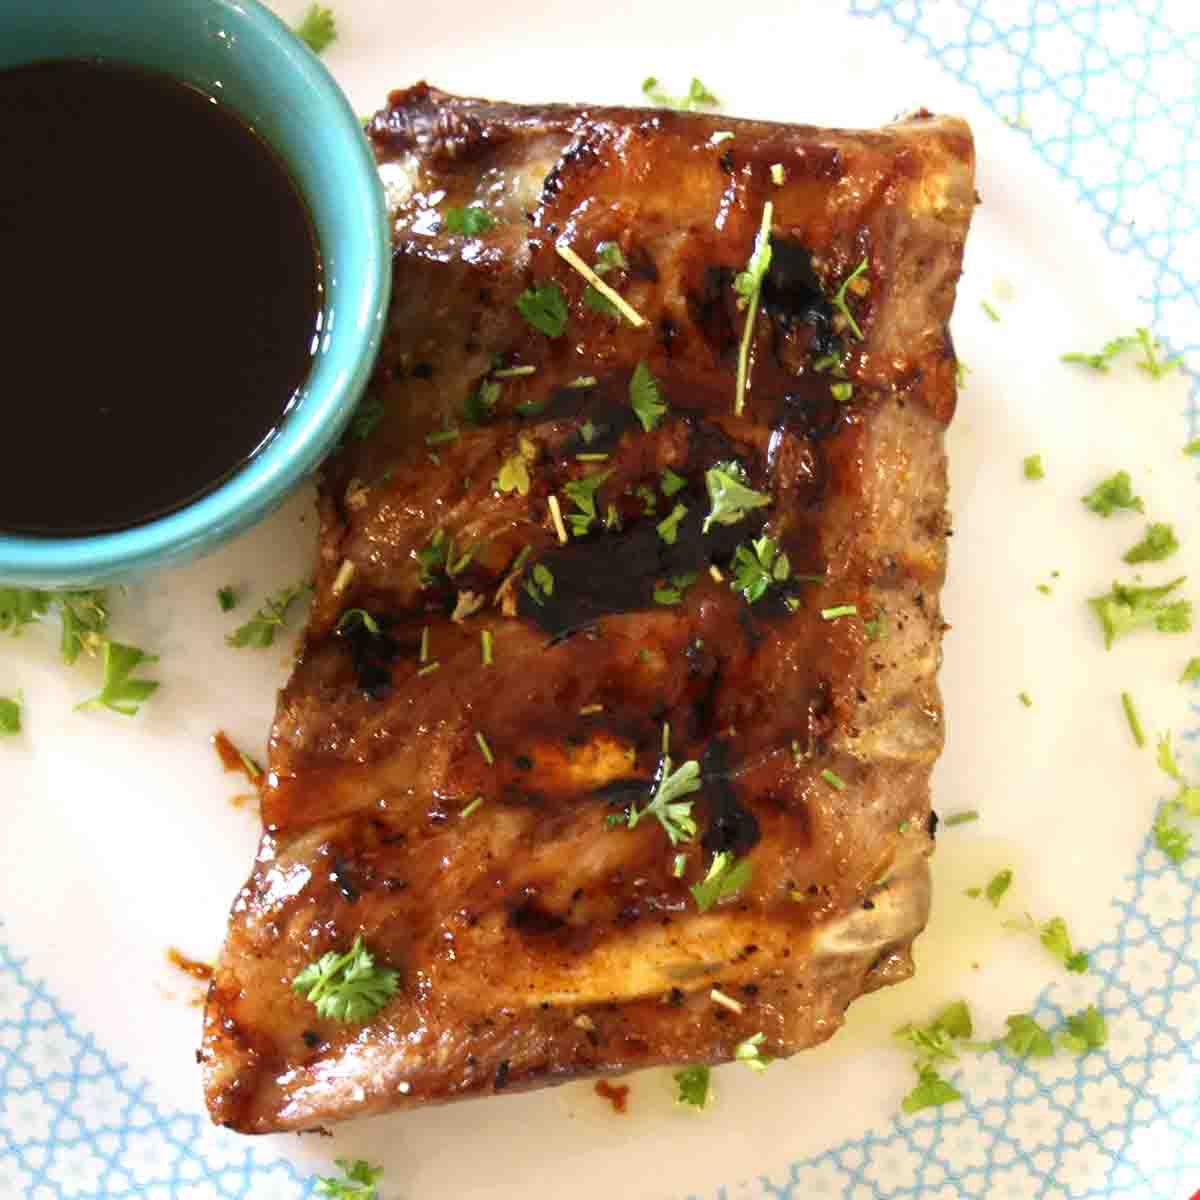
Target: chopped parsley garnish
point(1026, 1038)
point(645, 397)
point(480, 404)
point(1173, 840)
point(540, 583)
point(347, 987)
point(726, 875)
point(670, 483)
point(1131, 716)
point(118, 691)
point(998, 885)
point(10, 717)
point(226, 599)
point(756, 566)
point(1193, 447)
point(440, 437)
point(357, 616)
point(698, 96)
point(1086, 1030)
point(1032, 468)
point(367, 415)
point(582, 493)
point(513, 475)
point(932, 1091)
point(1149, 363)
point(730, 495)
point(875, 629)
point(1191, 672)
point(485, 749)
point(839, 299)
point(485, 647)
point(935, 1041)
point(693, 1084)
point(842, 391)
point(1026, 699)
point(260, 630)
point(748, 285)
point(317, 29)
point(84, 620)
point(961, 818)
point(545, 308)
point(431, 558)
point(674, 592)
point(840, 610)
point(991, 312)
point(1159, 543)
point(1056, 939)
point(834, 780)
point(20, 607)
point(1126, 608)
point(668, 527)
point(358, 1184)
point(470, 222)
point(1113, 494)
point(648, 498)
point(750, 1053)
point(470, 808)
point(666, 806)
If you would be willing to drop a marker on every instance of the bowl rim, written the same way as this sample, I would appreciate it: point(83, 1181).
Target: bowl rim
point(314, 421)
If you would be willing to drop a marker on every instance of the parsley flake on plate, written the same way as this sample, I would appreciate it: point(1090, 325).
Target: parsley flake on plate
point(20, 607)
point(260, 630)
point(726, 875)
point(226, 599)
point(544, 306)
point(10, 717)
point(119, 691)
point(731, 498)
point(961, 818)
point(1056, 939)
point(1086, 1030)
point(932, 1091)
point(1155, 367)
point(1159, 543)
point(935, 1041)
point(698, 96)
point(1026, 1038)
point(1131, 716)
point(357, 1183)
point(1127, 607)
point(1032, 468)
point(347, 987)
point(470, 221)
point(1191, 672)
point(645, 397)
point(756, 565)
point(693, 1086)
point(1112, 494)
point(317, 28)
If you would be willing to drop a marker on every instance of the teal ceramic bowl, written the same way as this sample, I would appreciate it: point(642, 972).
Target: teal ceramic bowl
point(241, 53)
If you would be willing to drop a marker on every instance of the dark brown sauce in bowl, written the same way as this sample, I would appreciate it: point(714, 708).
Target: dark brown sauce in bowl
point(162, 296)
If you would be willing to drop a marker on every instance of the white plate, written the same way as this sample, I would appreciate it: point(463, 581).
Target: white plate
point(120, 839)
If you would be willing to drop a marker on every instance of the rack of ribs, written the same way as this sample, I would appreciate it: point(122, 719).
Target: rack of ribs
point(611, 731)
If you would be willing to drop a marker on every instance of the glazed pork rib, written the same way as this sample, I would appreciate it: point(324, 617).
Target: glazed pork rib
point(587, 583)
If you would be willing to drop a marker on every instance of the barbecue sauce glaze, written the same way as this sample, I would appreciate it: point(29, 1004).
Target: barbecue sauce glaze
point(161, 301)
